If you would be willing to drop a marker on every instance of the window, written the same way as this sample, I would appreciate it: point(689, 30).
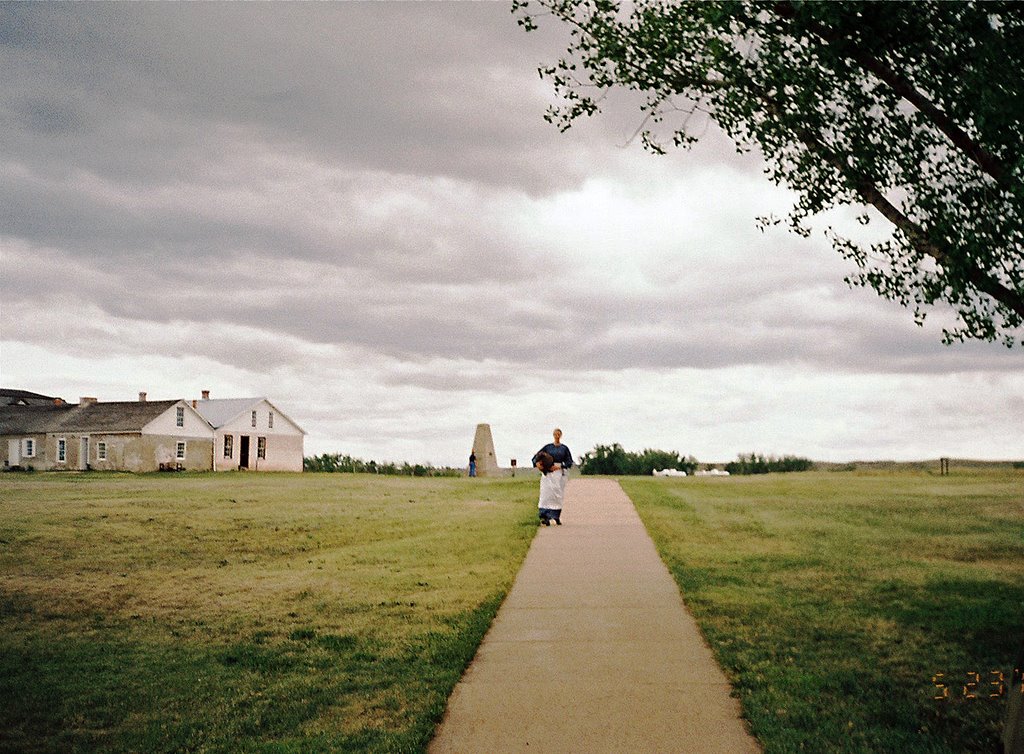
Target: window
point(180, 418)
point(254, 418)
point(29, 448)
point(270, 420)
point(261, 447)
point(229, 445)
point(101, 451)
point(180, 453)
point(62, 450)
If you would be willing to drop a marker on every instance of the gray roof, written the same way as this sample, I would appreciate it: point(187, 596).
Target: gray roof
point(220, 411)
point(12, 397)
point(127, 416)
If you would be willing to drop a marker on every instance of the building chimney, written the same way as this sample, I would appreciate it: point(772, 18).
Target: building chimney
point(142, 397)
point(206, 395)
point(58, 401)
point(195, 403)
point(86, 401)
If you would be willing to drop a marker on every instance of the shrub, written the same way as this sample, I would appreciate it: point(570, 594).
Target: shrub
point(613, 459)
point(758, 464)
point(336, 462)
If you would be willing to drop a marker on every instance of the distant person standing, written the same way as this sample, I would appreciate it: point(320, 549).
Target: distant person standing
point(472, 462)
point(561, 462)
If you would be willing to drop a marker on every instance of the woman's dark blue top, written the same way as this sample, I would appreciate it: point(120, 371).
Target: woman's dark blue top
point(560, 453)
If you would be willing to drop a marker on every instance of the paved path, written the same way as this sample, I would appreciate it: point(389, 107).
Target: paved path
point(593, 650)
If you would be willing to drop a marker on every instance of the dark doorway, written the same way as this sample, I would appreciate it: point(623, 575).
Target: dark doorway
point(243, 458)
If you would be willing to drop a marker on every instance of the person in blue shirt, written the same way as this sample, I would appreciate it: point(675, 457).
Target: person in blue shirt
point(550, 505)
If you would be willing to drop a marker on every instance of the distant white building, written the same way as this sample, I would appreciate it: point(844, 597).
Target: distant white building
point(251, 433)
point(121, 436)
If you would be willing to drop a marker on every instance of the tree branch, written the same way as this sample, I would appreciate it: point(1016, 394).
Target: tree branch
point(901, 86)
point(1010, 298)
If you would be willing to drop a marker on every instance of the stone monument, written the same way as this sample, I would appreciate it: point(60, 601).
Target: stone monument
point(483, 446)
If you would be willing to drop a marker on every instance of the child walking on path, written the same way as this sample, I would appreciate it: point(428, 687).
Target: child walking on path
point(550, 503)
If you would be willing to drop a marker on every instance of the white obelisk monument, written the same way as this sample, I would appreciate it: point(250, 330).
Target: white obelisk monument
point(483, 446)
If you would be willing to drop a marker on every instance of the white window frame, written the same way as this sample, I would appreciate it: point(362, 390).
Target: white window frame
point(261, 447)
point(270, 420)
point(28, 447)
point(179, 417)
point(180, 450)
point(62, 450)
point(101, 451)
point(254, 418)
point(229, 446)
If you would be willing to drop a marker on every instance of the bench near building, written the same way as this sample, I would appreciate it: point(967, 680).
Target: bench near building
point(248, 433)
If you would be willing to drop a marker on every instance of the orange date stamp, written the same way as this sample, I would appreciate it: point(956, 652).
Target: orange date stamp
point(974, 685)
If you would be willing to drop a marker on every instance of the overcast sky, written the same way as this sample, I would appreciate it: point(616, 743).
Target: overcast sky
point(358, 211)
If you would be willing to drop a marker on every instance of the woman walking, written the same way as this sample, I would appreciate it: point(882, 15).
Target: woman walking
point(554, 461)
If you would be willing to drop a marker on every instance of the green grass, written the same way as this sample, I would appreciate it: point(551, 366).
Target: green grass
point(831, 600)
point(245, 612)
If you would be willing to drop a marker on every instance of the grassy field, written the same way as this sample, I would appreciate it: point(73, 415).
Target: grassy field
point(257, 613)
point(832, 599)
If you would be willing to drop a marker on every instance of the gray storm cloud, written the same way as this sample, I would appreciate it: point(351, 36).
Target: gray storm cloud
point(131, 91)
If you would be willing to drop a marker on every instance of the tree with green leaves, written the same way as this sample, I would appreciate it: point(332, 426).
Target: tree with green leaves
point(616, 460)
point(912, 111)
point(755, 463)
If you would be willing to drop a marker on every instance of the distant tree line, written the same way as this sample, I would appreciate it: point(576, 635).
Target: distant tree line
point(758, 464)
point(613, 459)
point(336, 462)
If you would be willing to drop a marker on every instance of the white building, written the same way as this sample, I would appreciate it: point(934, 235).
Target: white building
point(120, 436)
point(251, 433)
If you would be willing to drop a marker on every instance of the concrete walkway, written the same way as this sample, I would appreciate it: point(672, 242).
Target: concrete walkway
point(593, 650)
